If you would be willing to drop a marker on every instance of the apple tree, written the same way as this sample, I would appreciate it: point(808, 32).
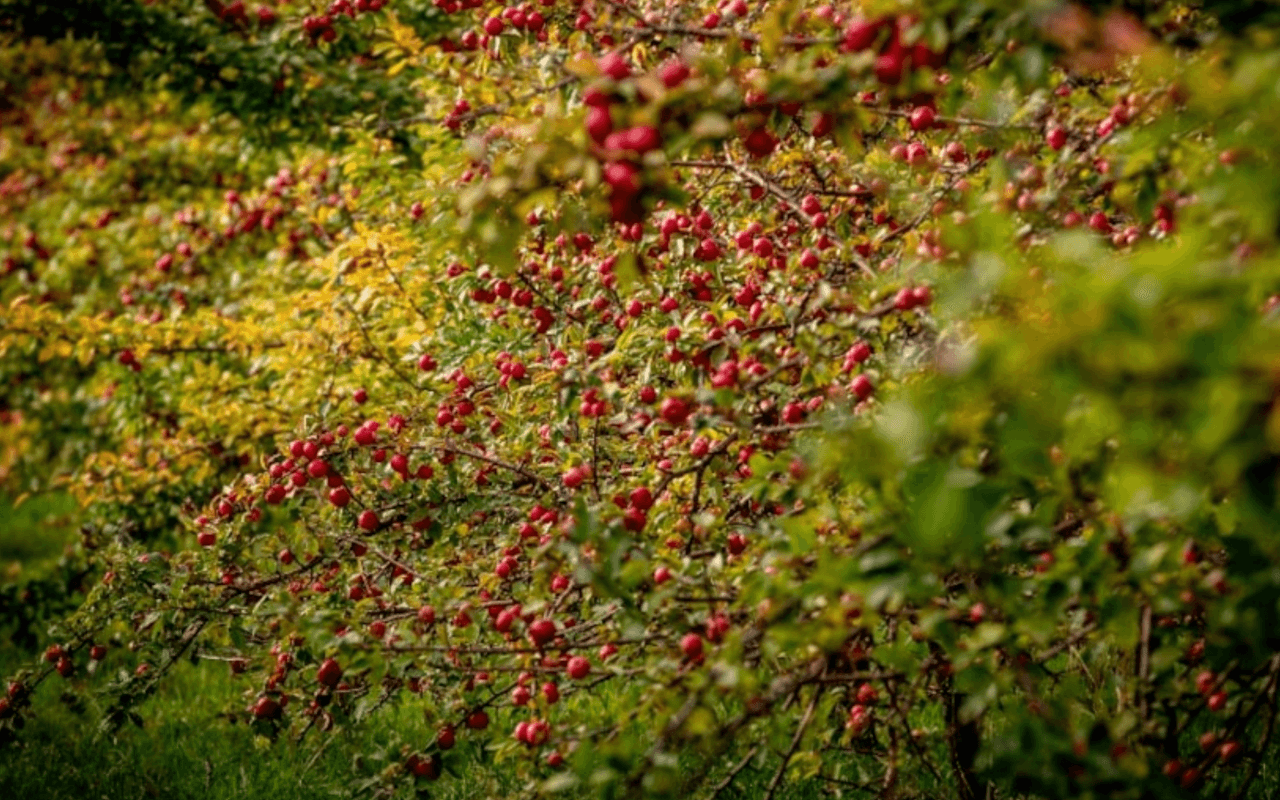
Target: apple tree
point(660, 397)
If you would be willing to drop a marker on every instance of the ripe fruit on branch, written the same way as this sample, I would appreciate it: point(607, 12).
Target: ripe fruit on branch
point(551, 692)
point(859, 719)
point(267, 708)
point(599, 122)
point(639, 139)
point(623, 177)
point(675, 410)
point(533, 733)
point(889, 68)
point(867, 694)
point(542, 631)
point(674, 72)
point(908, 298)
point(578, 668)
point(634, 519)
point(1217, 701)
point(641, 498)
point(691, 646)
point(329, 673)
point(575, 476)
point(446, 738)
point(923, 118)
point(339, 496)
point(615, 66)
point(1205, 681)
point(1230, 751)
point(520, 696)
point(861, 35)
point(760, 142)
point(422, 767)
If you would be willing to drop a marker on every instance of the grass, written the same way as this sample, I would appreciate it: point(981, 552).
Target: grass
point(183, 751)
point(34, 534)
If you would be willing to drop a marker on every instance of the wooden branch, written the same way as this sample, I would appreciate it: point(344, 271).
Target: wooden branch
point(966, 122)
point(1142, 665)
point(1266, 736)
point(795, 744)
point(733, 773)
point(516, 468)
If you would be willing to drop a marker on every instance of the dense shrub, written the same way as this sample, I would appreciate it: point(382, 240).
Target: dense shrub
point(654, 394)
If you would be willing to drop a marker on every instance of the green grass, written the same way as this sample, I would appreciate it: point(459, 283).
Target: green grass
point(34, 535)
point(183, 751)
point(186, 751)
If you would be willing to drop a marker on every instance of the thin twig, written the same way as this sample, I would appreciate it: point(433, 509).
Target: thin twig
point(795, 743)
point(733, 773)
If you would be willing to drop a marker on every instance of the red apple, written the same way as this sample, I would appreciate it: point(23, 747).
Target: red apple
point(329, 673)
point(691, 646)
point(578, 668)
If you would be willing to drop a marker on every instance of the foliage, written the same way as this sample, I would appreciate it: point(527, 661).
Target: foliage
point(42, 577)
point(249, 67)
point(646, 396)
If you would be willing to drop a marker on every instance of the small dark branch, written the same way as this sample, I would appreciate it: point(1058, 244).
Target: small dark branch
point(729, 33)
point(595, 458)
point(1265, 742)
point(898, 709)
point(733, 773)
point(795, 744)
point(516, 468)
point(382, 256)
point(962, 741)
point(1066, 644)
point(927, 213)
point(964, 122)
point(1142, 665)
point(375, 350)
point(386, 126)
point(890, 788)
